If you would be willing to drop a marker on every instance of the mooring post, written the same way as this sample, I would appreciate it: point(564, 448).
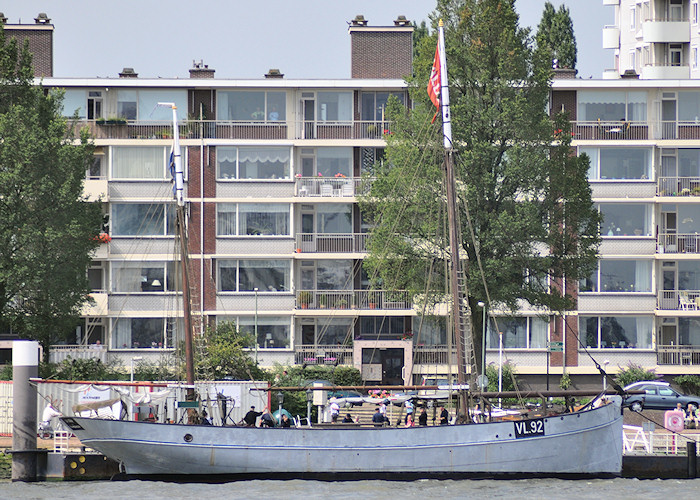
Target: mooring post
point(692, 459)
point(25, 365)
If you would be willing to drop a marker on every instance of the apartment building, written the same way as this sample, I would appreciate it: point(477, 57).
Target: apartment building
point(276, 238)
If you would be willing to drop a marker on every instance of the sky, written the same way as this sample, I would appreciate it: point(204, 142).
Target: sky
point(244, 39)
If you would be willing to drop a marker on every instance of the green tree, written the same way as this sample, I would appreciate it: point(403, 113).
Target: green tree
point(634, 373)
point(555, 34)
point(223, 352)
point(48, 228)
point(530, 223)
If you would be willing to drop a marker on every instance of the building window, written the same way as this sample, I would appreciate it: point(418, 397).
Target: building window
point(142, 219)
point(335, 218)
point(140, 333)
point(612, 106)
point(618, 163)
point(143, 104)
point(250, 105)
point(382, 327)
point(694, 13)
point(626, 276)
point(695, 57)
point(625, 219)
point(519, 333)
point(139, 162)
point(145, 277)
point(274, 332)
point(675, 54)
point(252, 163)
point(254, 219)
point(247, 275)
point(373, 104)
point(332, 162)
point(371, 158)
point(606, 332)
point(689, 106)
point(94, 105)
point(334, 274)
point(633, 18)
point(334, 106)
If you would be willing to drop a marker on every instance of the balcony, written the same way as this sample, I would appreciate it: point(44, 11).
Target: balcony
point(678, 355)
point(665, 72)
point(679, 300)
point(611, 37)
point(230, 129)
point(331, 187)
point(678, 186)
point(59, 353)
point(679, 243)
point(354, 299)
point(323, 355)
point(610, 130)
point(434, 355)
point(665, 31)
point(331, 242)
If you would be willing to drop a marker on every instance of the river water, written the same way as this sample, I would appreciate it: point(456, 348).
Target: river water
point(353, 490)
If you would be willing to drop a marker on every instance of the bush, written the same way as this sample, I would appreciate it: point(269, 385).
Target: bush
point(83, 369)
point(689, 384)
point(508, 375)
point(634, 373)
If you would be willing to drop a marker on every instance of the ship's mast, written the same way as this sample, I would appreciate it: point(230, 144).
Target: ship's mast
point(461, 315)
point(181, 228)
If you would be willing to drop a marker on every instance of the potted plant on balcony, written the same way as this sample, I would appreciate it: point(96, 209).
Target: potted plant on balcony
point(373, 299)
point(322, 301)
point(342, 304)
point(305, 299)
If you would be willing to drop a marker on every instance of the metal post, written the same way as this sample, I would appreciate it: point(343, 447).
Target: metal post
point(309, 399)
point(692, 459)
point(256, 325)
point(500, 364)
point(25, 365)
point(135, 358)
point(483, 337)
point(605, 380)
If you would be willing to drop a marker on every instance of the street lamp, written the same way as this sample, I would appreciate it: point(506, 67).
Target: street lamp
point(256, 325)
point(605, 381)
point(483, 337)
point(280, 400)
point(135, 358)
point(309, 400)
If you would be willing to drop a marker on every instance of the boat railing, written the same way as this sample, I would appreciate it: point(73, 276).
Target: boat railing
point(636, 441)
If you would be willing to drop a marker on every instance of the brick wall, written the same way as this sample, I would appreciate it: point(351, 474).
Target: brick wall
point(385, 52)
point(40, 45)
point(566, 100)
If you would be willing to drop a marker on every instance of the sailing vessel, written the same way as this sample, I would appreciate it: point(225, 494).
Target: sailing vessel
point(583, 442)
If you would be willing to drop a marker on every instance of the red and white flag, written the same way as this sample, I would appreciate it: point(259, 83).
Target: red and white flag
point(434, 83)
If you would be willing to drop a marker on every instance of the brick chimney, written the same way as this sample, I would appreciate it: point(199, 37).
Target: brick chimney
point(381, 51)
point(274, 73)
point(201, 70)
point(40, 36)
point(128, 73)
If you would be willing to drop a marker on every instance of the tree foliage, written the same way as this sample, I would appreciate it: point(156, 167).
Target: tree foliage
point(224, 352)
point(555, 34)
point(47, 226)
point(634, 373)
point(528, 198)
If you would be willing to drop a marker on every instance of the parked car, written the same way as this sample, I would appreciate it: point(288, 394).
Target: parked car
point(659, 396)
point(352, 397)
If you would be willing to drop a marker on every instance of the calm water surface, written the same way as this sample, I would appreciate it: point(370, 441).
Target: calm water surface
point(427, 489)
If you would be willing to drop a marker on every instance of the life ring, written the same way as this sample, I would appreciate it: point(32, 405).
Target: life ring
point(673, 420)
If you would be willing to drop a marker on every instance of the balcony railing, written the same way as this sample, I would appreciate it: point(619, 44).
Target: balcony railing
point(618, 130)
point(337, 187)
point(323, 355)
point(679, 300)
point(236, 129)
point(678, 354)
point(331, 242)
point(354, 299)
point(679, 243)
point(59, 353)
point(678, 186)
point(434, 355)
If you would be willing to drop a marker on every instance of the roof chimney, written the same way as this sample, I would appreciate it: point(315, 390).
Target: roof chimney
point(359, 21)
point(274, 73)
point(629, 74)
point(402, 21)
point(42, 18)
point(201, 70)
point(3, 19)
point(128, 73)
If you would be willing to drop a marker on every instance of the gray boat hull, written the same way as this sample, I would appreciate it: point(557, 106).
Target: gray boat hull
point(584, 443)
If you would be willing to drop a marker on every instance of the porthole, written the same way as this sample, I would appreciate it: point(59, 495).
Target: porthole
point(188, 438)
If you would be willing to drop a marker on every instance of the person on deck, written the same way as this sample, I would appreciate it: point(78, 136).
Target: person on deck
point(335, 410)
point(251, 417)
point(285, 421)
point(378, 418)
point(423, 418)
point(267, 420)
point(691, 418)
point(444, 416)
point(348, 419)
point(409, 409)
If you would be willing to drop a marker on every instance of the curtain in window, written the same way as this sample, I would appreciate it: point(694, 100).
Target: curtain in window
point(263, 219)
point(637, 106)
point(138, 162)
point(127, 101)
point(255, 155)
point(126, 277)
point(645, 326)
point(606, 106)
point(642, 277)
point(538, 333)
point(121, 334)
point(225, 219)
